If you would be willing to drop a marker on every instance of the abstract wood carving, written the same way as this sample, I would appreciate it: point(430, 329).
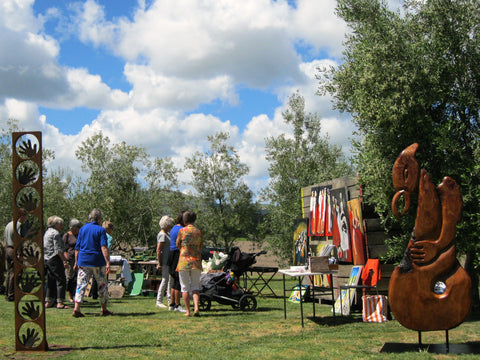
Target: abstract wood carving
point(429, 290)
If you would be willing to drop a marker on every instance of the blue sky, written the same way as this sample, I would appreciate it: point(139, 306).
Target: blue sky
point(165, 74)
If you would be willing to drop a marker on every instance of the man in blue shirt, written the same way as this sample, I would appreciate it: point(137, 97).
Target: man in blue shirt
point(92, 259)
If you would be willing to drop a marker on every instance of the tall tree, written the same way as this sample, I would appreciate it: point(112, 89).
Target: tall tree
point(413, 76)
point(163, 188)
point(304, 159)
point(6, 200)
point(58, 194)
point(113, 187)
point(224, 201)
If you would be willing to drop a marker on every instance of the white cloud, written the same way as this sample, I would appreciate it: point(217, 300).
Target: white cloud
point(316, 25)
point(177, 56)
point(248, 40)
point(93, 27)
point(18, 16)
point(29, 68)
point(151, 90)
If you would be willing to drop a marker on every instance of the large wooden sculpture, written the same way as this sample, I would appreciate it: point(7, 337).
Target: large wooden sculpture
point(429, 290)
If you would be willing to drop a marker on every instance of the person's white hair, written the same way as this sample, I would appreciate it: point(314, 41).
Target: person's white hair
point(75, 223)
point(54, 220)
point(95, 215)
point(165, 222)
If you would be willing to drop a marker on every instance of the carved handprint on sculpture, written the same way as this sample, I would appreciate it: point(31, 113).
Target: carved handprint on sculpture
point(31, 310)
point(27, 149)
point(30, 253)
point(27, 175)
point(30, 338)
point(28, 202)
point(29, 281)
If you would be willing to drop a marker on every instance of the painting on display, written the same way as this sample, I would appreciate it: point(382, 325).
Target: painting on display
point(357, 232)
point(300, 242)
point(345, 298)
point(340, 227)
point(319, 215)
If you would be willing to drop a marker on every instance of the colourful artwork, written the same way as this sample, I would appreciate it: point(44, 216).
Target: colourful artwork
point(357, 232)
point(340, 231)
point(300, 242)
point(319, 215)
point(345, 298)
point(296, 295)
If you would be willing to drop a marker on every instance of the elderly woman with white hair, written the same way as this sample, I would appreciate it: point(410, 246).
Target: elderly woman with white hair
point(55, 262)
point(163, 251)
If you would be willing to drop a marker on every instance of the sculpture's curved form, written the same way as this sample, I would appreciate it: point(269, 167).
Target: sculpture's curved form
point(429, 290)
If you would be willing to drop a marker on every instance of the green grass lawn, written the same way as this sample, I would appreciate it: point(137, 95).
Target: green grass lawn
point(139, 330)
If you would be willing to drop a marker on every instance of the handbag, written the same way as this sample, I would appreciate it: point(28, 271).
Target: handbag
point(375, 308)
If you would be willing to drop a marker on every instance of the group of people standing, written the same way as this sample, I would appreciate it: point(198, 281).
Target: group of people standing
point(82, 252)
point(179, 254)
point(70, 261)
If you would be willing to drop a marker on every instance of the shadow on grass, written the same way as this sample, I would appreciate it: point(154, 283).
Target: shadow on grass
point(123, 314)
point(334, 321)
point(83, 348)
point(470, 347)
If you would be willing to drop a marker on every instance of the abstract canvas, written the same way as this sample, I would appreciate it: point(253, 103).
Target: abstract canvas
point(341, 227)
point(300, 242)
point(345, 298)
point(357, 232)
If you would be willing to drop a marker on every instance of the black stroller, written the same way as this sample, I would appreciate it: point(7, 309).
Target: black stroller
point(223, 287)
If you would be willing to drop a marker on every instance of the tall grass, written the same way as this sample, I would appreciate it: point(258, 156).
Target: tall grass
point(139, 330)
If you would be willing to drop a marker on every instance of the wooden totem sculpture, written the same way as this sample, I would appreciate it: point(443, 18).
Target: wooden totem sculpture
point(429, 290)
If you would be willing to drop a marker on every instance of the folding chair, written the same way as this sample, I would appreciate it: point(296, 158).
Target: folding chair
point(137, 284)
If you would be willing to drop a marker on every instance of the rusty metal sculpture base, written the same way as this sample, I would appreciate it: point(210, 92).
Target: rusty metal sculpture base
point(429, 290)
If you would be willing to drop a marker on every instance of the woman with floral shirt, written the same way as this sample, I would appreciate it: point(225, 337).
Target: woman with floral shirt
point(190, 241)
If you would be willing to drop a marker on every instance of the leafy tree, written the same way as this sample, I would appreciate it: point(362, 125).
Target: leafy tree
point(164, 196)
point(6, 191)
point(305, 159)
point(113, 187)
point(58, 199)
point(6, 171)
point(224, 203)
point(414, 77)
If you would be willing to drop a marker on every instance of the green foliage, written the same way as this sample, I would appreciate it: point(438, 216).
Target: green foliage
point(303, 160)
point(162, 190)
point(113, 187)
point(6, 199)
point(413, 77)
point(224, 203)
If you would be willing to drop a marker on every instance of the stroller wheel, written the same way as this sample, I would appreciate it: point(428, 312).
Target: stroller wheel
point(205, 302)
point(247, 303)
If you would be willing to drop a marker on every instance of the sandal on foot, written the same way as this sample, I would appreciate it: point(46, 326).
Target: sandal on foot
point(77, 314)
point(106, 313)
point(49, 305)
point(63, 307)
point(197, 314)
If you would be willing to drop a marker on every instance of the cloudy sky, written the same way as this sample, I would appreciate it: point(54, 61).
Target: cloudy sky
point(164, 74)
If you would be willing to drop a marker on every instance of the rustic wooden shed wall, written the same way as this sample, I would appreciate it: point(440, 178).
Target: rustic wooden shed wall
point(375, 234)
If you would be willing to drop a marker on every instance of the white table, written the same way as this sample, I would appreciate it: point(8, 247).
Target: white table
point(300, 274)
